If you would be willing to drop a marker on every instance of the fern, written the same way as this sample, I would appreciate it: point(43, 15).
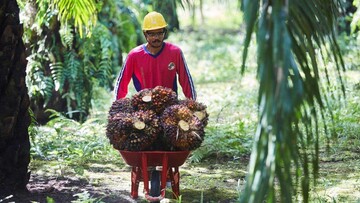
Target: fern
point(67, 37)
point(57, 74)
point(105, 69)
point(72, 67)
point(40, 85)
point(62, 61)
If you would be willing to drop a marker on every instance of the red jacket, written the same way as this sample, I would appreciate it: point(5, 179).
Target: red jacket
point(148, 71)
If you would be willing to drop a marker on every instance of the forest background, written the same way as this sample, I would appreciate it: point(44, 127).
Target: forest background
point(70, 77)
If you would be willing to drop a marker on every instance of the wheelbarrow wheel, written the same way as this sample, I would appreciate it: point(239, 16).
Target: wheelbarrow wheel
point(155, 184)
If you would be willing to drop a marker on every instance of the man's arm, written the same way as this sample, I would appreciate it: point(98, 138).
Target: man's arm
point(185, 79)
point(121, 87)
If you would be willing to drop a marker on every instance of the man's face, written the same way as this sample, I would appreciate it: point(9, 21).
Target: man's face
point(155, 37)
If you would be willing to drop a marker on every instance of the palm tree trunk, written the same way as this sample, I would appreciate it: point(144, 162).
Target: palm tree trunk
point(14, 102)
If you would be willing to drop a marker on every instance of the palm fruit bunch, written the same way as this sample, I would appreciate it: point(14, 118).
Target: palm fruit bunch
point(182, 130)
point(163, 97)
point(133, 131)
point(121, 105)
point(156, 99)
point(198, 109)
point(145, 130)
point(118, 127)
point(142, 100)
point(154, 119)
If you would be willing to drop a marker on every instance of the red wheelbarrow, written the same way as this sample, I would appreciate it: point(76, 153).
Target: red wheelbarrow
point(141, 160)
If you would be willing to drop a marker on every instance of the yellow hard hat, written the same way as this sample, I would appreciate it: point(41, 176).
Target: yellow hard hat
point(153, 21)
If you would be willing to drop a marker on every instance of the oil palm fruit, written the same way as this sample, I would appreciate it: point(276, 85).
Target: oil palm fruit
point(156, 99)
point(142, 100)
point(182, 130)
point(163, 97)
point(146, 128)
point(118, 128)
point(198, 109)
point(121, 105)
point(133, 131)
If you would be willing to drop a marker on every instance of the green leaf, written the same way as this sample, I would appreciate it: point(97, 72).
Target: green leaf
point(82, 12)
point(289, 36)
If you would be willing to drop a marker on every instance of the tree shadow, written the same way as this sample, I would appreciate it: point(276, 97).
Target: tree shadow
point(44, 189)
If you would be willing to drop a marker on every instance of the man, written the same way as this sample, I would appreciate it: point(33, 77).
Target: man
point(156, 63)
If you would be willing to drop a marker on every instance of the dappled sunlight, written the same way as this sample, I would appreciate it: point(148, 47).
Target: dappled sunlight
point(338, 180)
point(353, 77)
point(348, 189)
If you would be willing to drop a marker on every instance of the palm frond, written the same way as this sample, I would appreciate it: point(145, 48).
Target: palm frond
point(251, 10)
point(82, 13)
point(289, 35)
point(355, 23)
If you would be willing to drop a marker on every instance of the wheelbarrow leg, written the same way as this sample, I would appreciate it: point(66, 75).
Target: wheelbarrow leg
point(164, 173)
point(175, 179)
point(135, 179)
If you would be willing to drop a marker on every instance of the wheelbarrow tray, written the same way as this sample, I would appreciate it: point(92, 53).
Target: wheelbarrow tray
point(155, 158)
point(141, 160)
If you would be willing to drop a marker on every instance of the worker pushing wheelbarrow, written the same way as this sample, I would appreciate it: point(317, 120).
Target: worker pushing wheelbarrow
point(156, 137)
point(154, 129)
point(154, 119)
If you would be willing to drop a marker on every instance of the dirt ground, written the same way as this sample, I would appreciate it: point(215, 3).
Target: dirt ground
point(67, 189)
point(211, 182)
point(216, 182)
